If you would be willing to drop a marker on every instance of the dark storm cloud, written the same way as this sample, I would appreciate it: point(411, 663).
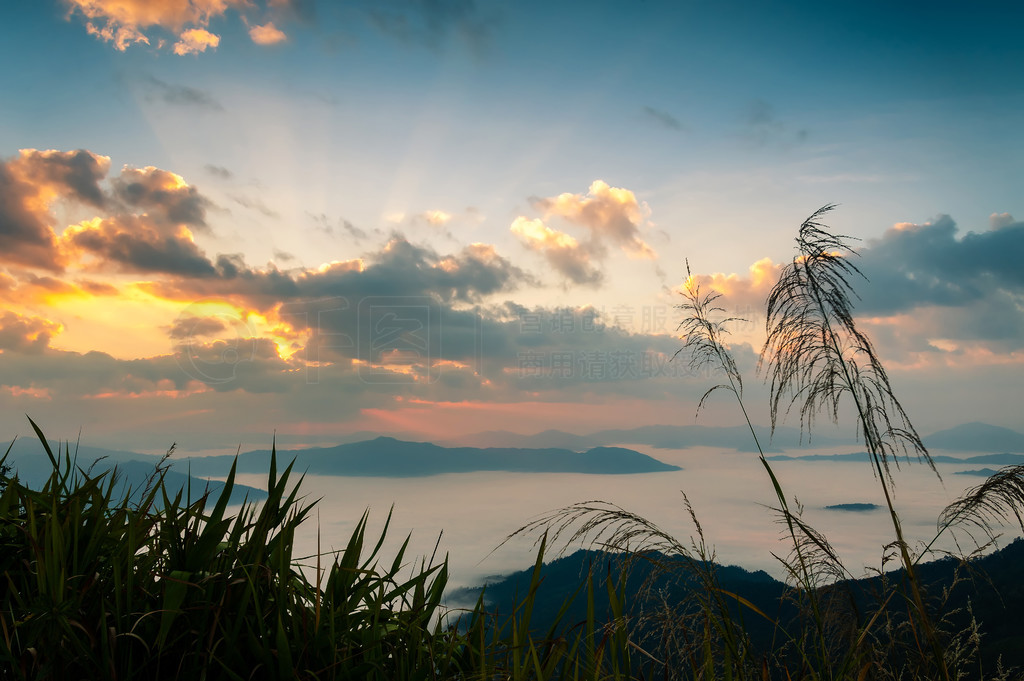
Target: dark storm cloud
point(916, 265)
point(179, 95)
point(663, 118)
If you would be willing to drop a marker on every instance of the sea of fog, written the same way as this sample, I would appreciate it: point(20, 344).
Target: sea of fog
point(730, 491)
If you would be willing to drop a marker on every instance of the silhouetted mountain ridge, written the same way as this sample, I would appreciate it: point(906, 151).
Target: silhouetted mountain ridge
point(388, 457)
point(993, 595)
point(134, 470)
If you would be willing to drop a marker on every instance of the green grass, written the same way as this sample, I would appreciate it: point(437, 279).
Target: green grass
point(142, 585)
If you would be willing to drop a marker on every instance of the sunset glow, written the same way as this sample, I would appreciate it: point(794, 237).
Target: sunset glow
point(324, 220)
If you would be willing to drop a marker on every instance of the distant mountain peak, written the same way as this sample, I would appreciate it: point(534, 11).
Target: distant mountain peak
point(977, 437)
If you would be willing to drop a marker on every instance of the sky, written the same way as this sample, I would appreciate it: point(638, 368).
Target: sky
point(225, 219)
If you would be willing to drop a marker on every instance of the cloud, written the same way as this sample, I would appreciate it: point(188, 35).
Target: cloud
point(29, 184)
point(75, 174)
point(742, 295)
point(321, 325)
point(28, 289)
point(914, 265)
point(124, 23)
point(430, 23)
point(191, 327)
point(30, 335)
point(436, 218)
point(219, 171)
point(254, 204)
point(762, 127)
point(663, 118)
point(352, 230)
point(137, 243)
point(564, 253)
point(400, 268)
point(163, 195)
point(998, 220)
point(342, 227)
point(195, 41)
point(267, 34)
point(929, 294)
point(611, 214)
point(143, 222)
point(180, 95)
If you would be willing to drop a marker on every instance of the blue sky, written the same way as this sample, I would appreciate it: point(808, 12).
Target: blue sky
point(505, 162)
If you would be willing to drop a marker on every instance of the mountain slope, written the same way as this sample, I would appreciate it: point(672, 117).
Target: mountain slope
point(977, 437)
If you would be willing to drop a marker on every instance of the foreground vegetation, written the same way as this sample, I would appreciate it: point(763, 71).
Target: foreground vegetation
point(103, 582)
point(143, 585)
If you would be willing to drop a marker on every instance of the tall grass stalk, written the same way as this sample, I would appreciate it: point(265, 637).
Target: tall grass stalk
point(817, 361)
point(816, 357)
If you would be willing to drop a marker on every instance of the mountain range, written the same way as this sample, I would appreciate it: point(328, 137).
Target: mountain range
point(382, 456)
point(134, 471)
point(551, 451)
point(968, 437)
point(658, 436)
point(388, 457)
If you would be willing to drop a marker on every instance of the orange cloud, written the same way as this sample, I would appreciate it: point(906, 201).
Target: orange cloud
point(138, 243)
point(195, 40)
point(267, 34)
point(161, 194)
point(28, 289)
point(29, 184)
point(610, 213)
point(143, 220)
point(127, 22)
point(26, 334)
point(751, 290)
point(563, 252)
